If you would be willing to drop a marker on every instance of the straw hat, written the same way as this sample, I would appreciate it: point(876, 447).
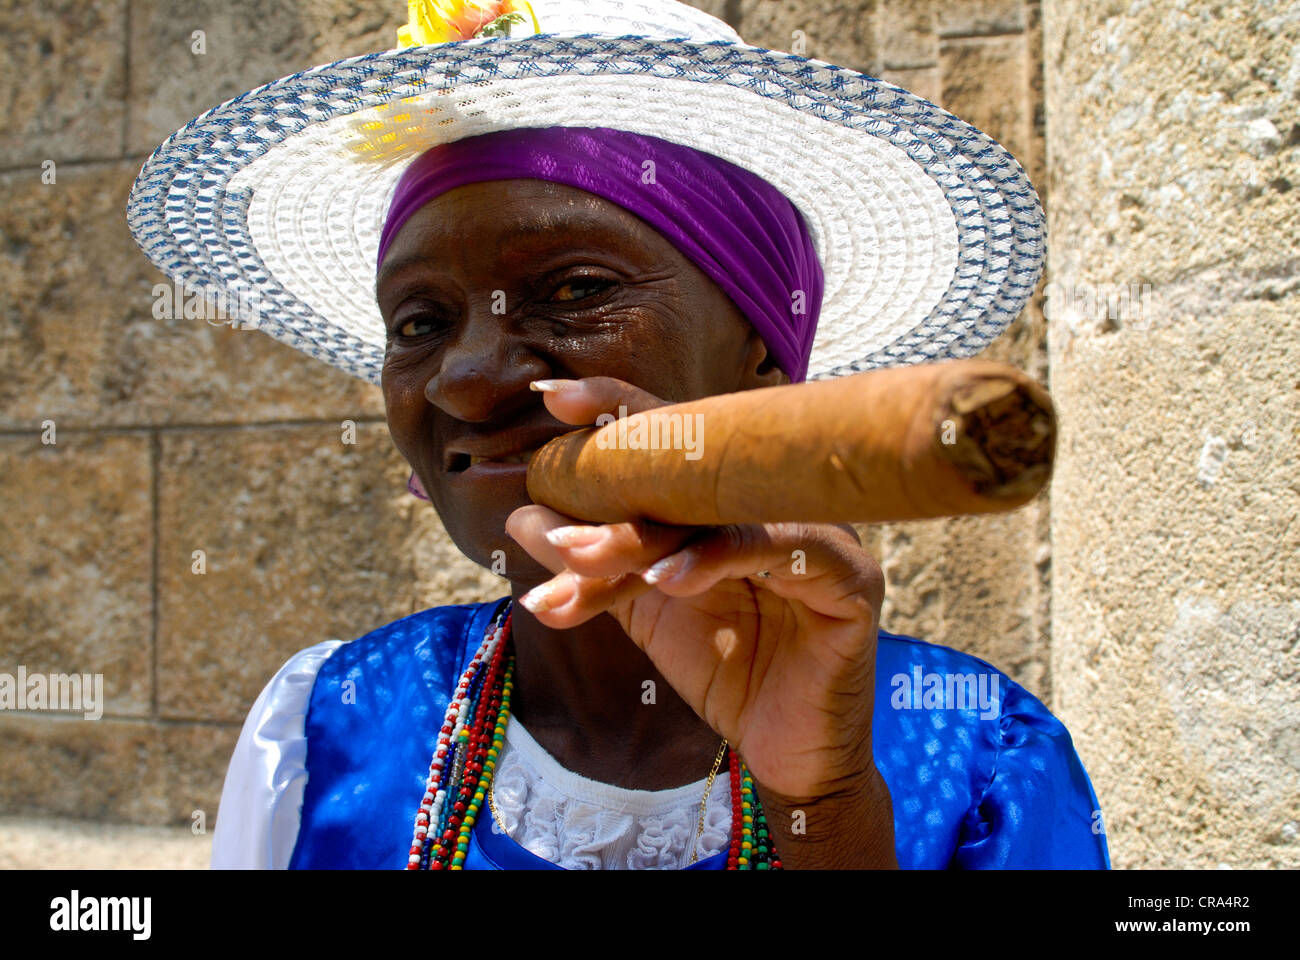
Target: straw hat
point(930, 235)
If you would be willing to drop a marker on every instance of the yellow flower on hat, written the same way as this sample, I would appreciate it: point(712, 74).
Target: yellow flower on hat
point(444, 21)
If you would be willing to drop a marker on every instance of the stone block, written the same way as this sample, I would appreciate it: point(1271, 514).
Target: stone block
point(113, 771)
point(192, 768)
point(986, 83)
point(923, 81)
point(305, 538)
point(907, 34)
point(842, 32)
point(1175, 547)
point(80, 337)
point(64, 69)
point(244, 44)
point(82, 770)
point(966, 18)
point(973, 584)
point(75, 562)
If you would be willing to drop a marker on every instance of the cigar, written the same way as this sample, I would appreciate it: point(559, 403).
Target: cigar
point(943, 439)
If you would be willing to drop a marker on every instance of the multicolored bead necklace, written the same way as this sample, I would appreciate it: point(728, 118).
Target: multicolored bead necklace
point(470, 742)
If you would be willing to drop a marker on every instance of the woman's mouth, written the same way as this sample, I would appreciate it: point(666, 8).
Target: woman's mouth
point(517, 458)
point(464, 462)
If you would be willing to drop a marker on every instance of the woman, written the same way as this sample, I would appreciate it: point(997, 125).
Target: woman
point(647, 696)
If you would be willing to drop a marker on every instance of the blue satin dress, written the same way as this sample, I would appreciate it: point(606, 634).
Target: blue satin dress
point(980, 773)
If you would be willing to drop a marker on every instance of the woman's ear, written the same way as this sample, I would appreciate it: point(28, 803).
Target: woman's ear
point(761, 369)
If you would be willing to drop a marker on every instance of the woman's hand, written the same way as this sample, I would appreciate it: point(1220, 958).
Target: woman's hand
point(782, 666)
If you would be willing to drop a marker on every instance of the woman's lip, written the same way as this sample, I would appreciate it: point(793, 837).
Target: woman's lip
point(489, 469)
point(462, 462)
point(517, 458)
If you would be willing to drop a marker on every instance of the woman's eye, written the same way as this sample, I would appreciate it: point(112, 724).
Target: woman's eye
point(580, 288)
point(417, 327)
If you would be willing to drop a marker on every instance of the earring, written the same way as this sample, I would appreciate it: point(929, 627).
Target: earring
point(417, 488)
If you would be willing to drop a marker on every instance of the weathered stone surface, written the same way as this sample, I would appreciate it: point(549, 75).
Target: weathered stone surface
point(81, 343)
point(714, 8)
point(981, 17)
point(245, 45)
point(305, 538)
point(29, 843)
point(113, 771)
point(986, 83)
point(76, 534)
point(1176, 551)
point(907, 34)
point(1035, 163)
point(192, 763)
point(105, 770)
point(923, 81)
point(842, 32)
point(63, 70)
point(971, 584)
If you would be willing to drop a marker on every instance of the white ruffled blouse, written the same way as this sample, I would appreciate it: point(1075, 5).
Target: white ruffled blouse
point(554, 813)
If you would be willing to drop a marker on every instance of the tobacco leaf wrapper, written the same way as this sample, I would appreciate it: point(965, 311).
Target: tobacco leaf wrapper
point(904, 443)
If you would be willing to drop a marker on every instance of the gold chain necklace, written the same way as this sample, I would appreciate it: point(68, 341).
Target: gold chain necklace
point(708, 788)
point(699, 831)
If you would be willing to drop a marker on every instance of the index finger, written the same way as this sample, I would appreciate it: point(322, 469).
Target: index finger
point(600, 551)
point(582, 401)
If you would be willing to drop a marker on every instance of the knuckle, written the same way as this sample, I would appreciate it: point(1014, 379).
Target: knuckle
point(850, 530)
point(642, 535)
point(734, 538)
point(743, 538)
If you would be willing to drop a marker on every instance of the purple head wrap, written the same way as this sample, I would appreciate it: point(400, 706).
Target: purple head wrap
point(734, 225)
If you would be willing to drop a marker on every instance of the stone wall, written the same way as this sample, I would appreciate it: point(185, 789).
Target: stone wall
point(1173, 138)
point(171, 436)
point(198, 437)
point(1153, 608)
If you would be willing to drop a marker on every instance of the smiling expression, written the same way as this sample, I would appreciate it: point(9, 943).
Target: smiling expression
point(492, 285)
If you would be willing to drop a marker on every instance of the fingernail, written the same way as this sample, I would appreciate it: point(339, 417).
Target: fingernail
point(539, 599)
point(550, 386)
point(576, 536)
point(669, 567)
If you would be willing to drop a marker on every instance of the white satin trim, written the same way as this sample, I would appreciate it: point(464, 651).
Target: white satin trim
point(261, 802)
point(582, 824)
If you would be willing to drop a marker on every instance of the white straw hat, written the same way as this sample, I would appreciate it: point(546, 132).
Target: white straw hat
point(930, 235)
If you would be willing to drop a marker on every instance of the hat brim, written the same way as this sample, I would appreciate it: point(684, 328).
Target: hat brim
point(930, 235)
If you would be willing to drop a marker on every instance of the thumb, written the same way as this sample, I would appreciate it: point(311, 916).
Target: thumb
point(582, 401)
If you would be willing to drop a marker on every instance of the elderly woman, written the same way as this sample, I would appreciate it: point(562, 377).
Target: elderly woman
point(647, 696)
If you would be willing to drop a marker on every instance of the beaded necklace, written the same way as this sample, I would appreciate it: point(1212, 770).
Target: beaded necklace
point(470, 743)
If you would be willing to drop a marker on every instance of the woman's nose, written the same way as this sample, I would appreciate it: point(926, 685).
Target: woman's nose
point(485, 372)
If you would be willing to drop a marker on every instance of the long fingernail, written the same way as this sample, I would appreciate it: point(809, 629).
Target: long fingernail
point(576, 536)
point(539, 599)
point(669, 567)
point(551, 386)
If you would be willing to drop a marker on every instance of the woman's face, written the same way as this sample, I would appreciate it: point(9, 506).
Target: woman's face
point(496, 284)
